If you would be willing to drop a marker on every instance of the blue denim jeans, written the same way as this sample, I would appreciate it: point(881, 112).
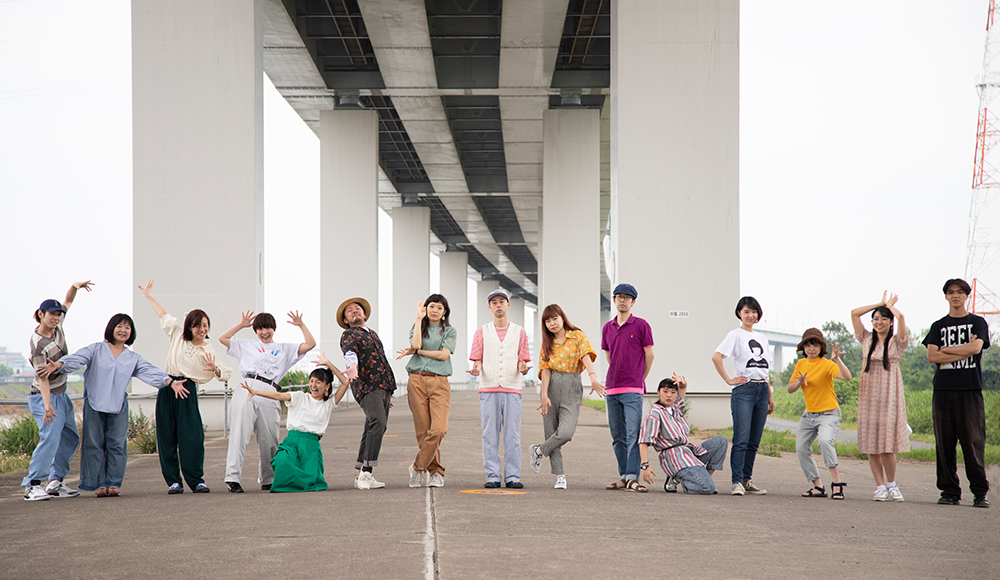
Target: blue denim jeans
point(57, 441)
point(624, 418)
point(105, 447)
point(749, 405)
point(697, 480)
point(501, 411)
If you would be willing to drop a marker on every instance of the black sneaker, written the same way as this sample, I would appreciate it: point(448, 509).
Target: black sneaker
point(492, 484)
point(515, 484)
point(948, 500)
point(234, 487)
point(266, 487)
point(981, 502)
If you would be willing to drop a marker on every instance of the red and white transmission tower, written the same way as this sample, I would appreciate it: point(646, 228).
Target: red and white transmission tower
point(981, 249)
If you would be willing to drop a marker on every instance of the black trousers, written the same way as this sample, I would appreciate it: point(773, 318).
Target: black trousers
point(960, 418)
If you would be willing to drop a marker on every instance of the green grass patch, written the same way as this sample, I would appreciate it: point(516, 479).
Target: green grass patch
point(13, 461)
point(598, 404)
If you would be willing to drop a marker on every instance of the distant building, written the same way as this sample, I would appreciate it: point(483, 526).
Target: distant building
point(14, 360)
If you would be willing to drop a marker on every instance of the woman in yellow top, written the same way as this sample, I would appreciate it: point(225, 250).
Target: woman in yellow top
point(565, 353)
point(815, 374)
point(191, 361)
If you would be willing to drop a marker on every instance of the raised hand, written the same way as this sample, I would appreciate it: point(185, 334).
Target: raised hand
point(209, 362)
point(247, 319)
point(421, 311)
point(892, 300)
point(295, 318)
point(837, 351)
point(147, 290)
point(680, 381)
point(323, 361)
point(885, 298)
point(83, 285)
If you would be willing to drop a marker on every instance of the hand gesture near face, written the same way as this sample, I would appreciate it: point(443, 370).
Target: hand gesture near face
point(892, 300)
point(801, 379)
point(421, 311)
point(247, 320)
point(837, 351)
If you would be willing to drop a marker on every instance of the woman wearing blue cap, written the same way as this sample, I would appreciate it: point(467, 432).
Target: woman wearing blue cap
point(50, 405)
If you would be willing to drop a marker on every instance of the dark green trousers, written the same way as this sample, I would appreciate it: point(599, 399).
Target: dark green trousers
point(179, 430)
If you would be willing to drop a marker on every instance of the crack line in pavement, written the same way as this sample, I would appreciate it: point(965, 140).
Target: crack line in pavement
point(430, 540)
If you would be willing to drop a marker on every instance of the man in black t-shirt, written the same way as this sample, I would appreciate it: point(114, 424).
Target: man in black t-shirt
point(955, 346)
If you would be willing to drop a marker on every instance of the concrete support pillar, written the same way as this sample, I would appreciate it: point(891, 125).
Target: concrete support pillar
point(675, 181)
point(411, 263)
point(348, 204)
point(454, 287)
point(777, 359)
point(569, 274)
point(197, 167)
point(516, 312)
point(481, 308)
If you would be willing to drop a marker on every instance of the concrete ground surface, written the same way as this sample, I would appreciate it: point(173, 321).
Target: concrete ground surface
point(443, 533)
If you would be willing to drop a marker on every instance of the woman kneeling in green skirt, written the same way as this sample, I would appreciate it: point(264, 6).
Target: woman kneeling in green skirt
point(298, 463)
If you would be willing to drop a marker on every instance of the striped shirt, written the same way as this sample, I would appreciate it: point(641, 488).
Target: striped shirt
point(667, 431)
point(44, 348)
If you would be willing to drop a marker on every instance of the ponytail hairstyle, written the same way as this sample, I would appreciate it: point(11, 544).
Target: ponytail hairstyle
point(886, 313)
point(548, 339)
point(326, 375)
point(425, 323)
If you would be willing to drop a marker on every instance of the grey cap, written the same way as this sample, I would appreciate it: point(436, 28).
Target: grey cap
point(498, 292)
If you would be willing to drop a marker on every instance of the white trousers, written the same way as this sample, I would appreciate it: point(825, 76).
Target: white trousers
point(245, 417)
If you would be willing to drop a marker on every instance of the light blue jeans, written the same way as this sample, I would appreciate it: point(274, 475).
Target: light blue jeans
point(57, 441)
point(624, 418)
point(105, 447)
point(823, 426)
point(501, 411)
point(697, 480)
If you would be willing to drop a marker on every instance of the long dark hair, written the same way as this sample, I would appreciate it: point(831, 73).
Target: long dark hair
point(548, 339)
point(426, 322)
point(886, 313)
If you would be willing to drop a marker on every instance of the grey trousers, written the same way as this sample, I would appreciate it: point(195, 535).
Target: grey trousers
point(823, 426)
point(565, 393)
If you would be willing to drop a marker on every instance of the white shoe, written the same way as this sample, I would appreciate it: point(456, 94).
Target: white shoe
point(670, 486)
point(738, 489)
point(36, 493)
point(535, 454)
point(367, 481)
point(436, 480)
point(416, 477)
point(57, 488)
point(895, 494)
point(881, 493)
point(560, 482)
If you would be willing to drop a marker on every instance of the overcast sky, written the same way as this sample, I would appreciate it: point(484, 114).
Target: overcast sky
point(857, 136)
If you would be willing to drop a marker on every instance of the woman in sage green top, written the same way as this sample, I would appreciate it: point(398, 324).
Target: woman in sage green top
point(427, 388)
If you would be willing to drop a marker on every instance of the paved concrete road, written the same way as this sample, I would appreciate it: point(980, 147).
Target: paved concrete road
point(843, 436)
point(583, 532)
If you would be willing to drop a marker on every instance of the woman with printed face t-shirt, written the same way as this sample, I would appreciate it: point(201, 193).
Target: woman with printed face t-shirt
point(751, 401)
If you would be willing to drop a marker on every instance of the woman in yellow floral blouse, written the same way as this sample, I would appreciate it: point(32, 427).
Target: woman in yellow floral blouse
point(566, 352)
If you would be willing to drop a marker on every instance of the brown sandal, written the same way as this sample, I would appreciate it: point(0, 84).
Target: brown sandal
point(634, 485)
point(620, 484)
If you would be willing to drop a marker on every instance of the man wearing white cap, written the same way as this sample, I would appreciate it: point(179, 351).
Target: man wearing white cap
point(500, 355)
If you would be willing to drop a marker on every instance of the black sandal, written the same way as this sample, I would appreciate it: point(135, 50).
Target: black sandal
point(816, 491)
point(838, 490)
point(634, 485)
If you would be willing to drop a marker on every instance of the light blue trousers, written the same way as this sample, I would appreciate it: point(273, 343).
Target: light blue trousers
point(57, 441)
point(501, 411)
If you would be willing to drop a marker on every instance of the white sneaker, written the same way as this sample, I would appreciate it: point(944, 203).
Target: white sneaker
point(36, 493)
point(881, 493)
point(670, 486)
point(895, 494)
point(436, 480)
point(750, 487)
point(57, 488)
point(738, 489)
point(536, 458)
point(416, 477)
point(560, 482)
point(367, 481)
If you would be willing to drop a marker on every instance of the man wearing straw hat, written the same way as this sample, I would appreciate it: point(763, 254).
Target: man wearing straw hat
point(372, 383)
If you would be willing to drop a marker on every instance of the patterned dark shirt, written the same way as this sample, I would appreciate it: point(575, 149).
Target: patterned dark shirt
point(374, 371)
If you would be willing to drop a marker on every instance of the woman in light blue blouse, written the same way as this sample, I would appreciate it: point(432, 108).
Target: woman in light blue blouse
point(110, 366)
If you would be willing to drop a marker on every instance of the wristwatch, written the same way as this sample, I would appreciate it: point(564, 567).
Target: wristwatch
point(644, 466)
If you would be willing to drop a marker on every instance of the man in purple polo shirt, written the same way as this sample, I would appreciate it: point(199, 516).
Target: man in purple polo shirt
point(628, 343)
